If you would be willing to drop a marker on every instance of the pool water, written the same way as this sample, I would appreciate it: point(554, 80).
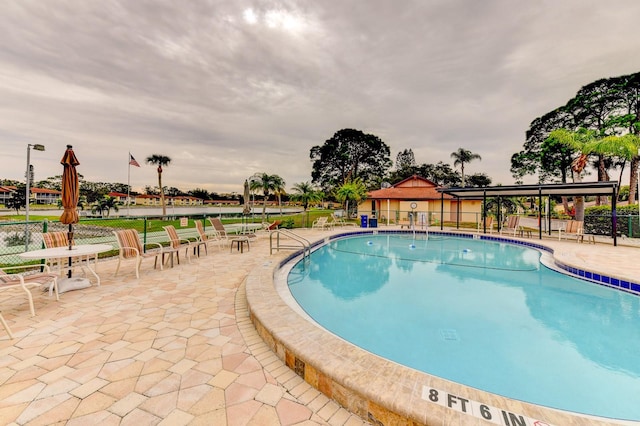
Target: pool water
point(482, 313)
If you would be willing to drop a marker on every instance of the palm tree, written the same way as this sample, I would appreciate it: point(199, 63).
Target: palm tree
point(160, 160)
point(354, 190)
point(266, 184)
point(105, 204)
point(306, 194)
point(463, 156)
point(582, 140)
point(279, 193)
point(626, 147)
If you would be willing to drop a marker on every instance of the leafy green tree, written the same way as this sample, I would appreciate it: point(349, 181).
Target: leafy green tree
point(528, 161)
point(463, 156)
point(609, 107)
point(54, 182)
point(353, 190)
point(350, 154)
point(306, 193)
point(151, 190)
point(203, 194)
point(267, 184)
point(405, 166)
point(173, 192)
point(405, 160)
point(478, 180)
point(160, 161)
point(441, 174)
point(17, 199)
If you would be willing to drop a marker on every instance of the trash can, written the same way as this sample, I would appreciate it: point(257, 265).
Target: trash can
point(363, 221)
point(373, 222)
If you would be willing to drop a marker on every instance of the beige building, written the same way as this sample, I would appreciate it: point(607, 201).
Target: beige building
point(419, 198)
point(148, 200)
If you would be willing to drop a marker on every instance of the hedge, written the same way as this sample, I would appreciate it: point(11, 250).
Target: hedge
point(597, 220)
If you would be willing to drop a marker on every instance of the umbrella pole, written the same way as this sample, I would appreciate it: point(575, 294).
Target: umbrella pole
point(70, 238)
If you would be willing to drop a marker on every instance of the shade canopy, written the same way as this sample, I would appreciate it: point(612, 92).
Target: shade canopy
point(556, 189)
point(608, 188)
point(70, 187)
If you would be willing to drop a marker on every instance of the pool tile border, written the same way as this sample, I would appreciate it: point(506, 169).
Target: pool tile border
point(374, 388)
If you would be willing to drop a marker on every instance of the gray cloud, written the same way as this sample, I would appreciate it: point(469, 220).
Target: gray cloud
point(228, 89)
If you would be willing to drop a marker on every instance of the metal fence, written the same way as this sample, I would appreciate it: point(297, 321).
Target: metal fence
point(626, 225)
point(18, 237)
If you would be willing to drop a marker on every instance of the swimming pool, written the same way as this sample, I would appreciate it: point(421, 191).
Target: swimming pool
point(484, 314)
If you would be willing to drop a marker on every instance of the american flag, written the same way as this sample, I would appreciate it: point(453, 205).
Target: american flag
point(132, 161)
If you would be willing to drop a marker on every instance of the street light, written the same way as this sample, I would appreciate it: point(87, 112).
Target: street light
point(28, 176)
point(638, 192)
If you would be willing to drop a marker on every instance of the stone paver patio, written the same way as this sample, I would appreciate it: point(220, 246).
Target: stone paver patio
point(175, 347)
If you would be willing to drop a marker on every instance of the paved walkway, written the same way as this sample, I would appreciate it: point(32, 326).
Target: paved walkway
point(174, 348)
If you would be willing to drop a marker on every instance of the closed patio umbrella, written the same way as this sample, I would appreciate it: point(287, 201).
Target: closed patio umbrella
point(247, 209)
point(70, 193)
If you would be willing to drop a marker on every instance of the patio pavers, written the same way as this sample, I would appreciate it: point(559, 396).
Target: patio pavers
point(169, 348)
point(174, 347)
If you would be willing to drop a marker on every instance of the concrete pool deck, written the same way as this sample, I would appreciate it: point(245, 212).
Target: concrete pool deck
point(178, 347)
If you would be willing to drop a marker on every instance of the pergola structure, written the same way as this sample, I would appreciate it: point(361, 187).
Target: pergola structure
point(609, 188)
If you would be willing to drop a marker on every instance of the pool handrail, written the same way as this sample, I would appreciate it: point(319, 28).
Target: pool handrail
point(302, 242)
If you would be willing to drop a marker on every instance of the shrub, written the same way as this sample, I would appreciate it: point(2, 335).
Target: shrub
point(287, 223)
point(16, 239)
point(597, 220)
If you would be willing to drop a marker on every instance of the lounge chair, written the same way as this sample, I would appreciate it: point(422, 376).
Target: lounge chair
point(512, 226)
point(573, 228)
point(131, 248)
point(27, 279)
point(219, 227)
point(321, 223)
point(176, 244)
point(205, 238)
point(488, 223)
point(339, 221)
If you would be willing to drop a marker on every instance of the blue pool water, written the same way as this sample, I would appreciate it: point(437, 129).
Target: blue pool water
point(481, 313)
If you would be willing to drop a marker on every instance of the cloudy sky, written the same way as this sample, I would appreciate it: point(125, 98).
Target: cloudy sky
point(229, 88)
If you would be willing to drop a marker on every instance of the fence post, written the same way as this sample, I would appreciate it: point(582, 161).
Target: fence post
point(630, 224)
point(144, 233)
point(45, 226)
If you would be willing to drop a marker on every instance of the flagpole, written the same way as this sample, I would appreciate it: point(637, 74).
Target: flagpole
point(128, 183)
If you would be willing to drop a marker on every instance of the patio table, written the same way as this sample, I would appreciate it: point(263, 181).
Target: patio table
point(83, 252)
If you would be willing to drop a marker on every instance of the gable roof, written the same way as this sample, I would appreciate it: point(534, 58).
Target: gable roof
point(412, 188)
point(44, 191)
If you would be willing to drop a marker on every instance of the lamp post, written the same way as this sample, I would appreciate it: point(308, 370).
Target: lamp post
point(37, 147)
point(638, 192)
